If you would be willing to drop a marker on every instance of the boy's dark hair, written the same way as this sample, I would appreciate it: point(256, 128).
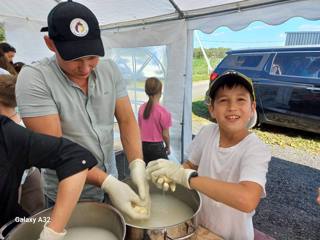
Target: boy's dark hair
point(6, 47)
point(7, 90)
point(231, 79)
point(152, 87)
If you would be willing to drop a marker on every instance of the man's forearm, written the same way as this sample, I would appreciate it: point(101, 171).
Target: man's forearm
point(130, 138)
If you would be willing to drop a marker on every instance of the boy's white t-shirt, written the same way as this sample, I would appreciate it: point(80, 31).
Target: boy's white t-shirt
point(246, 161)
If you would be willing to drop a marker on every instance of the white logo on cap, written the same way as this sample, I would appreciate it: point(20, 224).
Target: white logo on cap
point(79, 27)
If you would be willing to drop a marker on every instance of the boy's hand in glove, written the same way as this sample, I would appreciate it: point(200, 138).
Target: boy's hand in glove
point(165, 174)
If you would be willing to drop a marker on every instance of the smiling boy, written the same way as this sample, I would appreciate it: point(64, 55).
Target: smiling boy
point(231, 162)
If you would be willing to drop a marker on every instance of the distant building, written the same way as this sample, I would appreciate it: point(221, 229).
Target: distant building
point(302, 38)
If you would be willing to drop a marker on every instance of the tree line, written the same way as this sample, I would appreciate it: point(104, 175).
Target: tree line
point(211, 52)
point(2, 34)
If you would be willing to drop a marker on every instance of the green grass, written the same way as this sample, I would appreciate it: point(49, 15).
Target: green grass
point(200, 68)
point(283, 137)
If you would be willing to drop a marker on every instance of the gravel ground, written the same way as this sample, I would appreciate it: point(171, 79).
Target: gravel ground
point(289, 211)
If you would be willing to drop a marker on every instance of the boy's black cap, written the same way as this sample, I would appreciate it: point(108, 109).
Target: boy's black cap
point(231, 76)
point(75, 31)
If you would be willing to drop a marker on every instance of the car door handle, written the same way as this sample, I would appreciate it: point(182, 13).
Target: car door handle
point(313, 89)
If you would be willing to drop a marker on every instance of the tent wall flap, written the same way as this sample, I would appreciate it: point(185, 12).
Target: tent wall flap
point(274, 14)
point(173, 35)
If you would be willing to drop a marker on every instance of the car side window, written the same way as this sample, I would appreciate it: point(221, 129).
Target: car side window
point(301, 64)
point(243, 61)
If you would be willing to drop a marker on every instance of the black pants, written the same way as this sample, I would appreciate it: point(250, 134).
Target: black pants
point(153, 151)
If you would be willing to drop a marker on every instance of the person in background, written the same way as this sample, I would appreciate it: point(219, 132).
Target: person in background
point(20, 149)
point(231, 162)
point(9, 51)
point(318, 196)
point(31, 190)
point(74, 95)
point(7, 97)
point(154, 122)
point(313, 70)
point(5, 66)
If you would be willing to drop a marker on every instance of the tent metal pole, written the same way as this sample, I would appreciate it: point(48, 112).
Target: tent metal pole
point(181, 14)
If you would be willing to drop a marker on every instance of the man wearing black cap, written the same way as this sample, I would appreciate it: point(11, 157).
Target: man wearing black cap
point(74, 95)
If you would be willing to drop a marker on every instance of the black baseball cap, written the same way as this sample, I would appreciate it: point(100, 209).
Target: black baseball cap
point(74, 30)
point(230, 78)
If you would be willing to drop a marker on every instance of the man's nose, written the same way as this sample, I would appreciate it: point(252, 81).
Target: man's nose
point(84, 66)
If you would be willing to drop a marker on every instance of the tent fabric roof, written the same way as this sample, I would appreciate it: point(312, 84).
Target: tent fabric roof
point(115, 13)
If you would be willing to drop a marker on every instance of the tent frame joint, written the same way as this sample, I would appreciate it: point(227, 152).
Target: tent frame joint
point(181, 14)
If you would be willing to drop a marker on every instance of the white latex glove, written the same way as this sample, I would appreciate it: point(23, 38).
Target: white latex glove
point(138, 176)
point(164, 172)
point(49, 234)
point(124, 198)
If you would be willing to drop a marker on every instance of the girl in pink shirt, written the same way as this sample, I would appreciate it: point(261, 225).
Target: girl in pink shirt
point(154, 122)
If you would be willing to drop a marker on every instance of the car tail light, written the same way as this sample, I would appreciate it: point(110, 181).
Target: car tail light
point(213, 76)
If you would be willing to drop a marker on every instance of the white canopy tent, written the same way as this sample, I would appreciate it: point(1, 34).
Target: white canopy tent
point(145, 23)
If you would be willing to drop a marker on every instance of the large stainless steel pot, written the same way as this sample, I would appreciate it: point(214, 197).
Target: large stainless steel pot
point(85, 214)
point(178, 231)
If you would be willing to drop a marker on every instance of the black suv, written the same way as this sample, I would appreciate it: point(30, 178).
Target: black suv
point(286, 82)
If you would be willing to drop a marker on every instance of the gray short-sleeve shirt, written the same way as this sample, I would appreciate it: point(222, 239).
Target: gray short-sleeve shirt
point(43, 88)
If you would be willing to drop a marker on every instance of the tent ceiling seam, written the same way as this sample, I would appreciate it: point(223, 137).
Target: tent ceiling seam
point(142, 22)
point(24, 18)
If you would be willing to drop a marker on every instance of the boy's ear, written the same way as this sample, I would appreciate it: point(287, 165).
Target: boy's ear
point(253, 107)
point(210, 109)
